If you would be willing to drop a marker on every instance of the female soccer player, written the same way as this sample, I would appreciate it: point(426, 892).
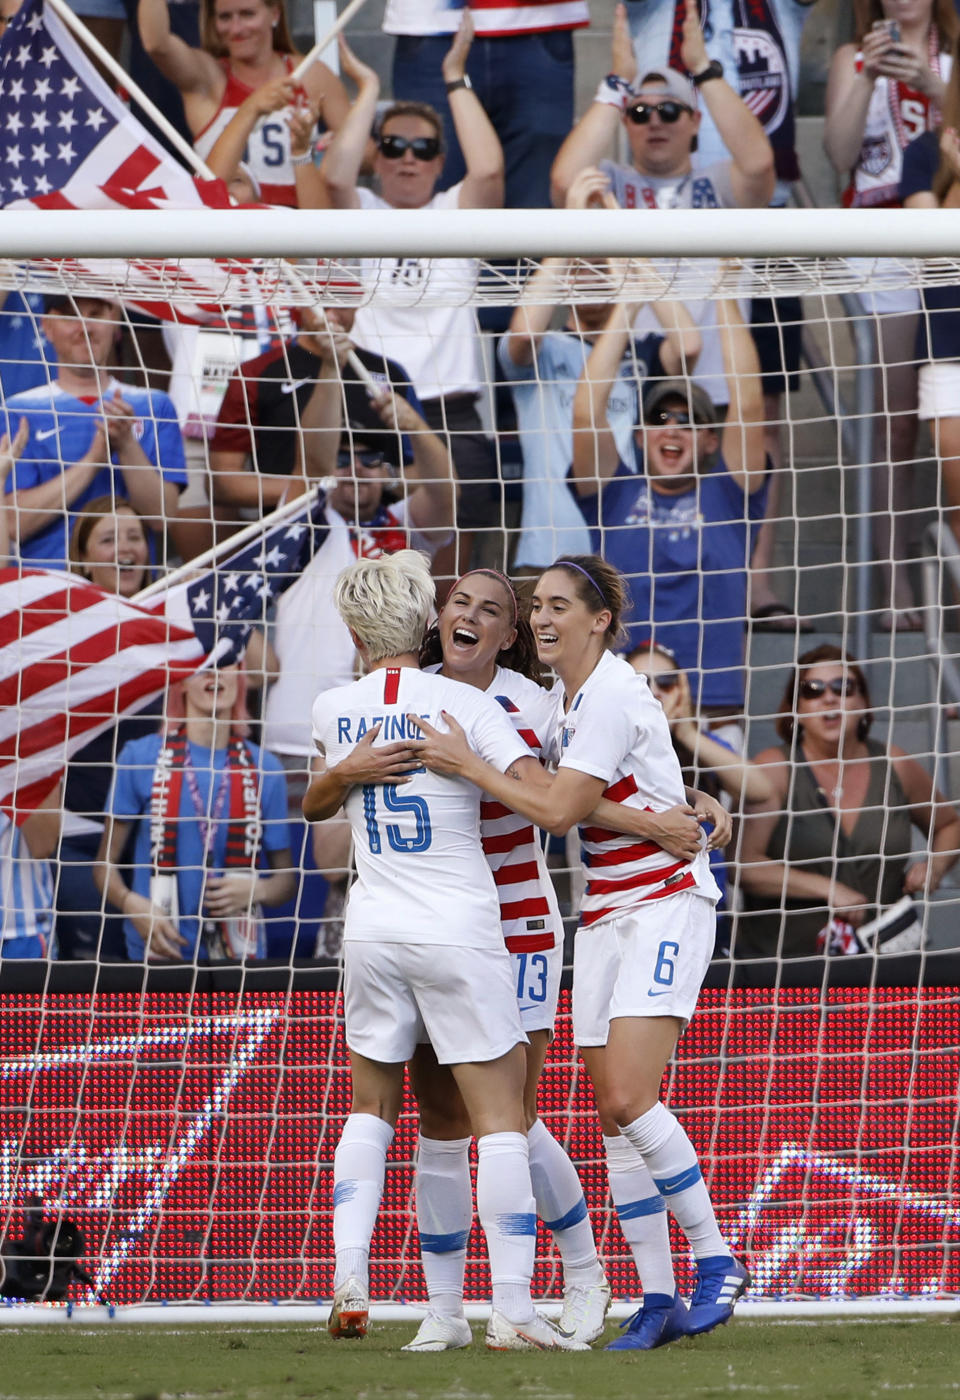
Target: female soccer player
point(423, 949)
point(645, 938)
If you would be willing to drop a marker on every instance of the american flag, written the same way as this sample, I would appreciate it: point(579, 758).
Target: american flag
point(63, 131)
point(73, 658)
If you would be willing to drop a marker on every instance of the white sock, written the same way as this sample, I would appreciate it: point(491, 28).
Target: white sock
point(508, 1215)
point(670, 1157)
point(444, 1218)
point(358, 1167)
point(561, 1206)
point(642, 1214)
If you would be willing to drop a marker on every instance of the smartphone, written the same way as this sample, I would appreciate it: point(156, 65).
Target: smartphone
point(892, 28)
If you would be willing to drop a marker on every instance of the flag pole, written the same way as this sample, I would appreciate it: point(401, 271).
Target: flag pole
point(318, 48)
point(237, 541)
point(121, 76)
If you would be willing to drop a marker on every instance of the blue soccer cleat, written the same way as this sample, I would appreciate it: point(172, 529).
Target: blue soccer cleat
point(720, 1282)
point(662, 1319)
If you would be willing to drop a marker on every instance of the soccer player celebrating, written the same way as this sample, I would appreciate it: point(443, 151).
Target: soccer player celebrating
point(423, 950)
point(645, 937)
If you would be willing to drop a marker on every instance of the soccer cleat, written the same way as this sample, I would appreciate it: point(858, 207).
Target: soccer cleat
point(350, 1311)
point(720, 1282)
point(536, 1335)
point(440, 1332)
point(584, 1310)
point(662, 1319)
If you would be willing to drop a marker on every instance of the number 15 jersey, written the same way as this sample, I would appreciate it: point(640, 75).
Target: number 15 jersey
point(422, 876)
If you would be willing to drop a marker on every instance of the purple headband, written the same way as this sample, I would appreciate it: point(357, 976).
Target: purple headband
point(494, 573)
point(569, 564)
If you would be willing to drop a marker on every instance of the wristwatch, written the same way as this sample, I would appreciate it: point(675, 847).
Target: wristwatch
point(714, 69)
point(458, 83)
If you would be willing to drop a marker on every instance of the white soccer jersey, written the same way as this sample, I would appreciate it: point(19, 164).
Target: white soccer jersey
point(422, 876)
point(529, 914)
point(614, 729)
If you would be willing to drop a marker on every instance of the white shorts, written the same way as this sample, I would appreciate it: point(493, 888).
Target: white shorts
point(939, 390)
point(649, 962)
point(463, 1000)
point(536, 984)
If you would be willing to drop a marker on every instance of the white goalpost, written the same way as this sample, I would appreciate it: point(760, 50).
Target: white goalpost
point(183, 1117)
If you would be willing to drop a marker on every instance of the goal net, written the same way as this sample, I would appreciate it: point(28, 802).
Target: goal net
point(203, 450)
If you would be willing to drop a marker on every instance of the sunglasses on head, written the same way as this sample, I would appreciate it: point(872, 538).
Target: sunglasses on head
point(423, 147)
point(345, 460)
point(839, 685)
point(677, 416)
point(668, 111)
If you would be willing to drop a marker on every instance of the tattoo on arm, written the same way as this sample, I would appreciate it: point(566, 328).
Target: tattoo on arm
point(512, 773)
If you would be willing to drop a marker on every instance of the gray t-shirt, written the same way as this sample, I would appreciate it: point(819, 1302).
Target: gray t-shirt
point(707, 188)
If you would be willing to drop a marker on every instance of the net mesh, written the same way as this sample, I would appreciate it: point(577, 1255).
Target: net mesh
point(187, 1121)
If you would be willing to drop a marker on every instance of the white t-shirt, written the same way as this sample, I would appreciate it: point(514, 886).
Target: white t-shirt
point(438, 344)
point(422, 876)
point(614, 729)
point(312, 644)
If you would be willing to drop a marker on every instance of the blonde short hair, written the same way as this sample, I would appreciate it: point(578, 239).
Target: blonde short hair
point(387, 602)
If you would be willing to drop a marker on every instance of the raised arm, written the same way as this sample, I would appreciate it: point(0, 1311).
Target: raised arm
point(594, 135)
point(532, 316)
point(482, 186)
point(10, 451)
point(595, 453)
point(433, 500)
point(193, 71)
point(743, 442)
point(344, 155)
point(753, 175)
point(849, 91)
point(321, 422)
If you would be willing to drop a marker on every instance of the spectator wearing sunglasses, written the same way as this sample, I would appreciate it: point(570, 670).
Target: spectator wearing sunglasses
point(707, 760)
point(660, 115)
point(439, 344)
point(834, 845)
point(522, 68)
point(257, 440)
point(680, 518)
point(543, 367)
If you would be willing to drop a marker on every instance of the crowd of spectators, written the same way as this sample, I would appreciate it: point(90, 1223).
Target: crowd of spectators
point(648, 429)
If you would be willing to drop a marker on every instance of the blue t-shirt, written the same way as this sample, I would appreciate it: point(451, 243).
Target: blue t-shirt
point(551, 522)
point(26, 357)
point(130, 800)
point(61, 430)
point(685, 558)
point(938, 337)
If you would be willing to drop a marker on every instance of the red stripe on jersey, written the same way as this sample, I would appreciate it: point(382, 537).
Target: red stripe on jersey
point(530, 739)
point(490, 811)
point(515, 874)
point(621, 854)
point(535, 908)
point(530, 943)
point(591, 917)
point(599, 834)
point(391, 685)
point(619, 792)
point(633, 882)
point(499, 845)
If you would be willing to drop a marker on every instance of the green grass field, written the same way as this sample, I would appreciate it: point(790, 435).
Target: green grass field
point(819, 1360)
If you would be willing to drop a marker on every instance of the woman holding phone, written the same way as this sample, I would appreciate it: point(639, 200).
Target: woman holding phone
point(884, 90)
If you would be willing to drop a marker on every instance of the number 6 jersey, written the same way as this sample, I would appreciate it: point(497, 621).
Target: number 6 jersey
point(422, 875)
